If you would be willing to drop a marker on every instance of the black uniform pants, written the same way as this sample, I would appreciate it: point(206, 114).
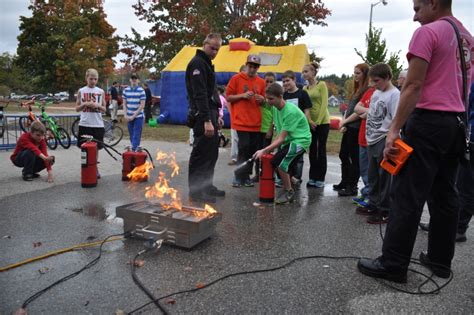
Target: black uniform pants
point(428, 175)
point(465, 185)
point(30, 162)
point(203, 158)
point(349, 156)
point(317, 153)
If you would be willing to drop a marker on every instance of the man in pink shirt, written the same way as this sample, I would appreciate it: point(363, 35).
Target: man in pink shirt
point(430, 111)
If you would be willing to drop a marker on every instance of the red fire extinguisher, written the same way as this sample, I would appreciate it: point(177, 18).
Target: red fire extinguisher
point(89, 164)
point(132, 159)
point(267, 180)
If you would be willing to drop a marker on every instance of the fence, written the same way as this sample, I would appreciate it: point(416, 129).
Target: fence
point(13, 130)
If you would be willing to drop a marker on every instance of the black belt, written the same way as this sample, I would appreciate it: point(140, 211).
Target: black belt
point(437, 112)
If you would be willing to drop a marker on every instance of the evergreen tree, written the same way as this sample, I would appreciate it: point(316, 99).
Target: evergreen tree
point(377, 52)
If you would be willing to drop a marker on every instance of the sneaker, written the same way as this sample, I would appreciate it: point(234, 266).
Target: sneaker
point(360, 201)
point(236, 183)
point(232, 162)
point(286, 196)
point(255, 179)
point(249, 183)
point(338, 186)
point(378, 218)
point(311, 184)
point(319, 184)
point(296, 183)
point(36, 175)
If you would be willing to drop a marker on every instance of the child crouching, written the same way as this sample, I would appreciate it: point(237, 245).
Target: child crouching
point(31, 153)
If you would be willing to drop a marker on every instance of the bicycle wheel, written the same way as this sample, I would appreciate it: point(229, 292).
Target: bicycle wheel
point(75, 128)
point(63, 138)
point(51, 140)
point(24, 123)
point(113, 135)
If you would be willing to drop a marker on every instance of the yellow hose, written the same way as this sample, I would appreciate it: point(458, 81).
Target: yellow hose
point(59, 251)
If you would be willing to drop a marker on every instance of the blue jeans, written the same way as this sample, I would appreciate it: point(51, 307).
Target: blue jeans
point(135, 131)
point(364, 171)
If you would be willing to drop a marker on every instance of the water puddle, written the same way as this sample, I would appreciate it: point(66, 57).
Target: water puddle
point(95, 211)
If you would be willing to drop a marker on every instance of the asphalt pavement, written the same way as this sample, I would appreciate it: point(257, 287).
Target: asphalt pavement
point(38, 217)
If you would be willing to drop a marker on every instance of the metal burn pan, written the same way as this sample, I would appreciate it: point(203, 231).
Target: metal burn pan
point(182, 228)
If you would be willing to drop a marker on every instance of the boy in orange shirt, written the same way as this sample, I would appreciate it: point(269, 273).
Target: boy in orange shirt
point(245, 93)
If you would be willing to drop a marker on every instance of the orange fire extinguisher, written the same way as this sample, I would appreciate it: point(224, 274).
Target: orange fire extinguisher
point(267, 180)
point(89, 164)
point(132, 159)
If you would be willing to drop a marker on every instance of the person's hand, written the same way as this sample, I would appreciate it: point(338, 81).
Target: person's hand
point(247, 95)
point(343, 129)
point(127, 118)
point(50, 159)
point(391, 150)
point(50, 177)
point(220, 122)
point(259, 98)
point(269, 134)
point(257, 155)
point(312, 125)
point(208, 129)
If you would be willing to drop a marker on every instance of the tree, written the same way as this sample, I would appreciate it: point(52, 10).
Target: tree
point(12, 77)
point(186, 22)
point(377, 52)
point(61, 40)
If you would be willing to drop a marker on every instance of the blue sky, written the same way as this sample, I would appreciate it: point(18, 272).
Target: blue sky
point(346, 28)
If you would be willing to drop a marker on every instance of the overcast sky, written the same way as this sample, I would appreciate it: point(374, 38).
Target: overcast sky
point(346, 28)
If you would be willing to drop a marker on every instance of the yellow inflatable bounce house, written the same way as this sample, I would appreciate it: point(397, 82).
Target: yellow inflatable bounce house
point(174, 103)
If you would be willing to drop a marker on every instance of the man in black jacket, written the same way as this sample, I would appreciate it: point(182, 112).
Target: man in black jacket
point(204, 104)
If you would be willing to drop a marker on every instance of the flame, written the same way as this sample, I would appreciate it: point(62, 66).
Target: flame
point(167, 196)
point(141, 172)
point(162, 190)
point(208, 211)
point(170, 160)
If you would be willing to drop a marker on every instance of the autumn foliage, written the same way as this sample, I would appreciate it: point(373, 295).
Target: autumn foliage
point(61, 40)
point(186, 22)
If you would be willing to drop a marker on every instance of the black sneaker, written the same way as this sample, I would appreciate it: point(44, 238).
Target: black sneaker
point(36, 175)
point(339, 186)
point(28, 177)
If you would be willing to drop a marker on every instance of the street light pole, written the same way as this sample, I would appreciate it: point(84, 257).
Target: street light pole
point(372, 5)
